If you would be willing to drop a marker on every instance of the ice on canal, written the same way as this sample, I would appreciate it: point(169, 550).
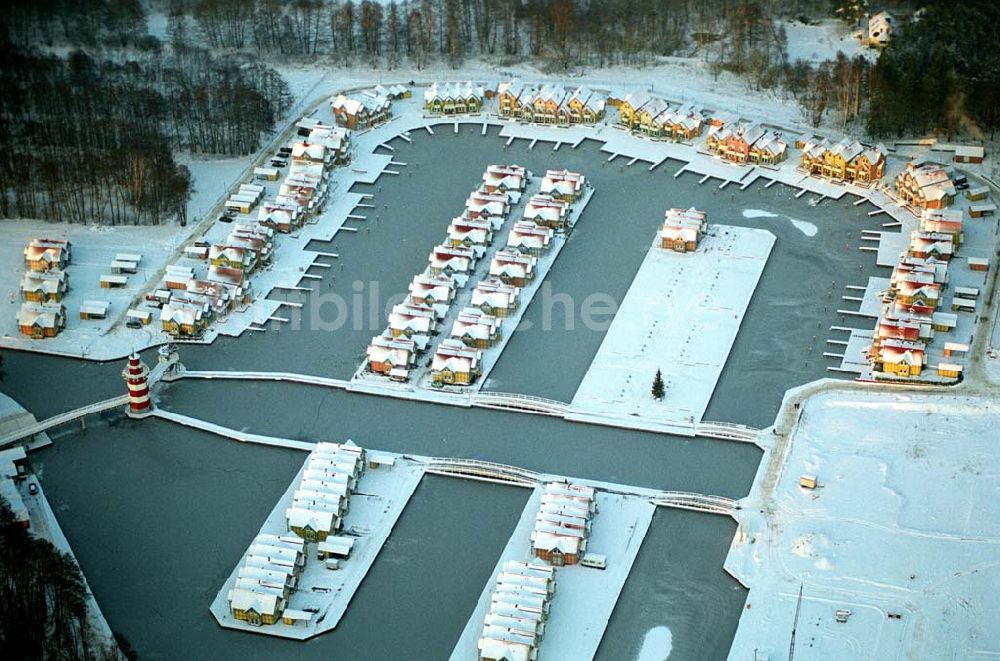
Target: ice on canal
point(681, 315)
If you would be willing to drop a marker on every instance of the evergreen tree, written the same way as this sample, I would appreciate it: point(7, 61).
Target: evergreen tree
point(658, 388)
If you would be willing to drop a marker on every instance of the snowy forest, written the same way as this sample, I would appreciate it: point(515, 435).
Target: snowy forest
point(90, 136)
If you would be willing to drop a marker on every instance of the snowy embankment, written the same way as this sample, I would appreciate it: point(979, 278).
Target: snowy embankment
point(900, 535)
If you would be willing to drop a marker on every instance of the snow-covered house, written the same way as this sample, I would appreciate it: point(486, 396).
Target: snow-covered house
point(495, 297)
point(266, 579)
point(844, 160)
point(453, 98)
point(628, 110)
point(181, 319)
point(448, 260)
point(880, 29)
point(47, 254)
point(544, 106)
point(928, 186)
point(943, 221)
point(41, 320)
point(899, 358)
point(914, 295)
point(431, 290)
point(546, 210)
point(563, 184)
point(770, 149)
point(733, 142)
point(651, 117)
point(504, 178)
point(528, 238)
point(361, 111)
point(486, 205)
point(683, 123)
point(513, 627)
point(682, 229)
point(409, 321)
point(456, 364)
point(584, 106)
point(309, 153)
point(470, 232)
point(321, 500)
point(513, 268)
point(44, 286)
point(232, 257)
point(476, 329)
point(925, 245)
point(510, 98)
point(562, 524)
point(392, 357)
point(280, 216)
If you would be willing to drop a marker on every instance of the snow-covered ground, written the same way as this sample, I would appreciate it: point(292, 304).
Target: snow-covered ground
point(822, 41)
point(94, 248)
point(681, 315)
point(375, 505)
point(905, 522)
point(584, 598)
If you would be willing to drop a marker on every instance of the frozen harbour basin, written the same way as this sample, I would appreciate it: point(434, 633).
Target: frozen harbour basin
point(375, 506)
point(902, 532)
point(584, 598)
point(681, 315)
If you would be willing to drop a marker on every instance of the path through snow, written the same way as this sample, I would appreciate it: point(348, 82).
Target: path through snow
point(803, 226)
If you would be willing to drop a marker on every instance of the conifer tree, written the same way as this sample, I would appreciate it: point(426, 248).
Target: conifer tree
point(658, 388)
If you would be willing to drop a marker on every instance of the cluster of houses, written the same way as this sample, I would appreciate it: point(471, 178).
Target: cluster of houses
point(367, 108)
point(273, 565)
point(454, 98)
point(458, 358)
point(654, 117)
point(519, 608)
point(550, 104)
point(846, 160)
point(925, 186)
point(189, 303)
point(682, 229)
point(320, 502)
point(212, 280)
point(45, 283)
point(562, 524)
point(913, 306)
point(746, 142)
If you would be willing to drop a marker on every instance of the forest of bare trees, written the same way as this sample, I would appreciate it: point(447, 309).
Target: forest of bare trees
point(90, 136)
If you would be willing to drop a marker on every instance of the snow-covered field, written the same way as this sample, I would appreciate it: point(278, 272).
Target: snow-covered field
point(905, 522)
point(822, 41)
point(681, 315)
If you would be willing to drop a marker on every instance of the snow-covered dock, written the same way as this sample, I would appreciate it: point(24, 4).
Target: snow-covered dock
point(376, 504)
point(584, 597)
point(681, 315)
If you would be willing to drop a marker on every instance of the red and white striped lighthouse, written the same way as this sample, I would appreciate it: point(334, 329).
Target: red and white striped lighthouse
point(137, 379)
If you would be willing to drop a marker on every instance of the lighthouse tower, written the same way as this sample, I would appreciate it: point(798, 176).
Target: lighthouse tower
point(137, 379)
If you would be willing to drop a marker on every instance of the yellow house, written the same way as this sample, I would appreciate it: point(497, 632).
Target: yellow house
point(629, 108)
point(255, 608)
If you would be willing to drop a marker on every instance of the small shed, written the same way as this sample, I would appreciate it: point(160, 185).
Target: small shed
point(944, 321)
point(293, 616)
point(94, 309)
point(196, 252)
point(120, 266)
point(144, 317)
point(979, 264)
point(969, 153)
point(951, 348)
point(971, 293)
point(266, 174)
point(978, 193)
point(962, 305)
point(113, 281)
point(377, 460)
point(128, 257)
point(807, 481)
point(982, 209)
point(950, 370)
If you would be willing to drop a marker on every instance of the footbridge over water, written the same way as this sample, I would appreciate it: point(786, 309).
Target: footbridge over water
point(61, 419)
point(515, 402)
point(483, 470)
point(696, 502)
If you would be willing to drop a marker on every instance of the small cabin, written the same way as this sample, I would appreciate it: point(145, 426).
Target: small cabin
point(94, 309)
point(807, 481)
point(949, 370)
point(979, 264)
point(144, 317)
point(113, 281)
point(981, 209)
